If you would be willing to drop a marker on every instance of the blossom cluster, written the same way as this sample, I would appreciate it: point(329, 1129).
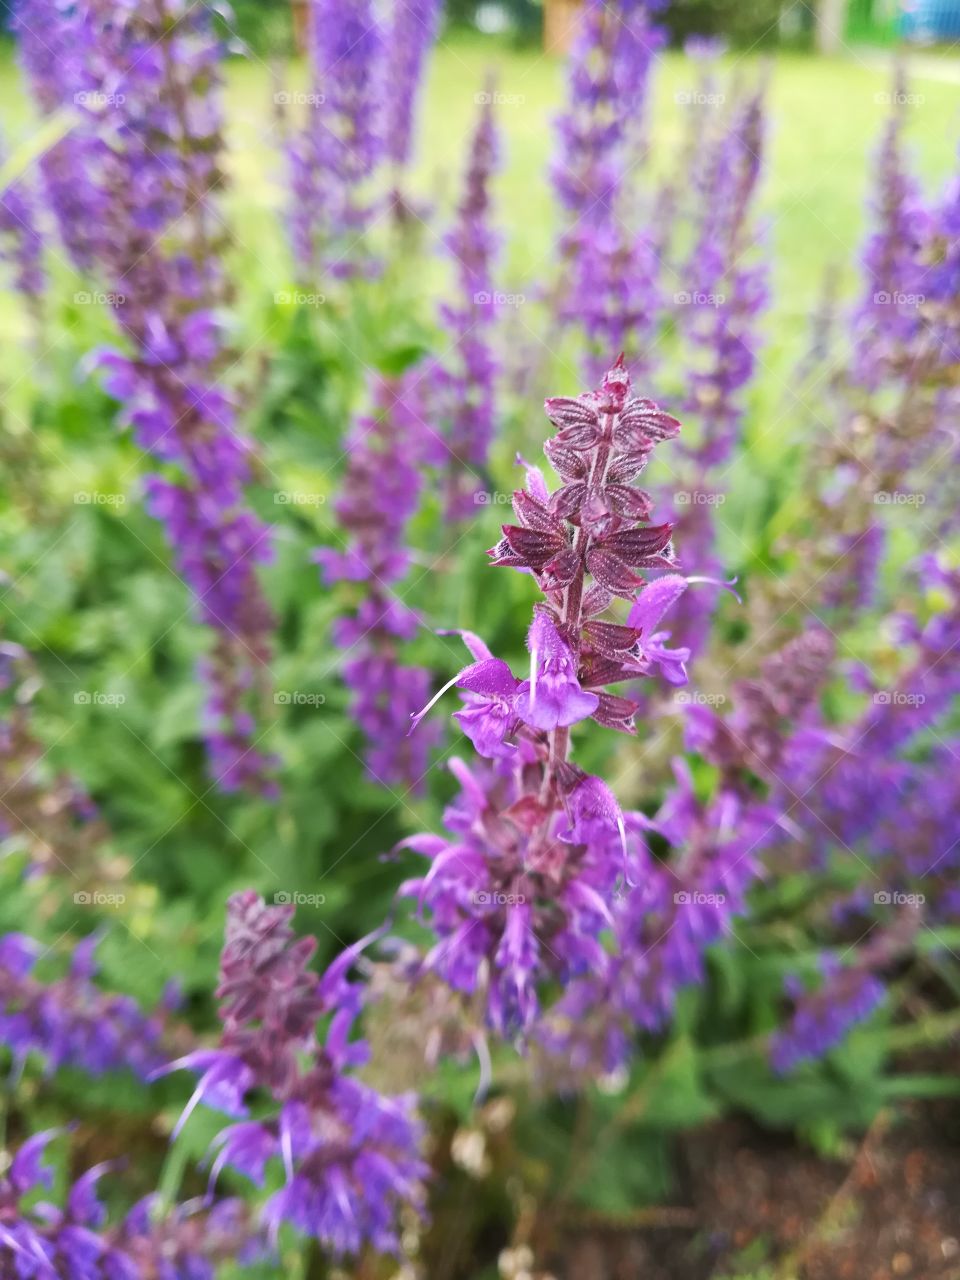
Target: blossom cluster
point(43, 1241)
point(380, 490)
point(143, 164)
point(366, 69)
point(519, 891)
point(349, 1155)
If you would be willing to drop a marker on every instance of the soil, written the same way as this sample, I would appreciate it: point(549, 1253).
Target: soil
point(756, 1205)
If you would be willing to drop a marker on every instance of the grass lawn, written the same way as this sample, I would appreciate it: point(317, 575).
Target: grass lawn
point(825, 119)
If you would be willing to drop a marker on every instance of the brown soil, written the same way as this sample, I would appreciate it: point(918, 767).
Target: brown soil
point(759, 1206)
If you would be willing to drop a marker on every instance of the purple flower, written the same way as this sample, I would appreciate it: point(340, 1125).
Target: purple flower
point(379, 495)
point(349, 1155)
point(463, 390)
point(413, 29)
point(69, 1021)
point(552, 696)
point(519, 890)
point(337, 152)
point(135, 188)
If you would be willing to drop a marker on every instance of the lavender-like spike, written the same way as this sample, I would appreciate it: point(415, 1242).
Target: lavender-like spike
point(413, 30)
point(682, 905)
point(464, 389)
point(43, 1241)
point(611, 286)
point(520, 889)
point(380, 493)
point(349, 1155)
point(54, 48)
point(340, 147)
point(887, 323)
point(21, 243)
point(725, 298)
point(69, 1021)
point(151, 145)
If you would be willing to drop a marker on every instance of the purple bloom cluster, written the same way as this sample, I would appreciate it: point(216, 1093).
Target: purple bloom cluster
point(684, 903)
point(366, 73)
point(412, 32)
point(349, 1154)
point(42, 1241)
point(519, 890)
point(724, 297)
point(21, 242)
point(463, 391)
point(888, 323)
point(147, 151)
point(611, 270)
point(70, 1021)
point(379, 494)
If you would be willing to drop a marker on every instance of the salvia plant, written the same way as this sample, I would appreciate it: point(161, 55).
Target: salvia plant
point(765, 876)
point(148, 169)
